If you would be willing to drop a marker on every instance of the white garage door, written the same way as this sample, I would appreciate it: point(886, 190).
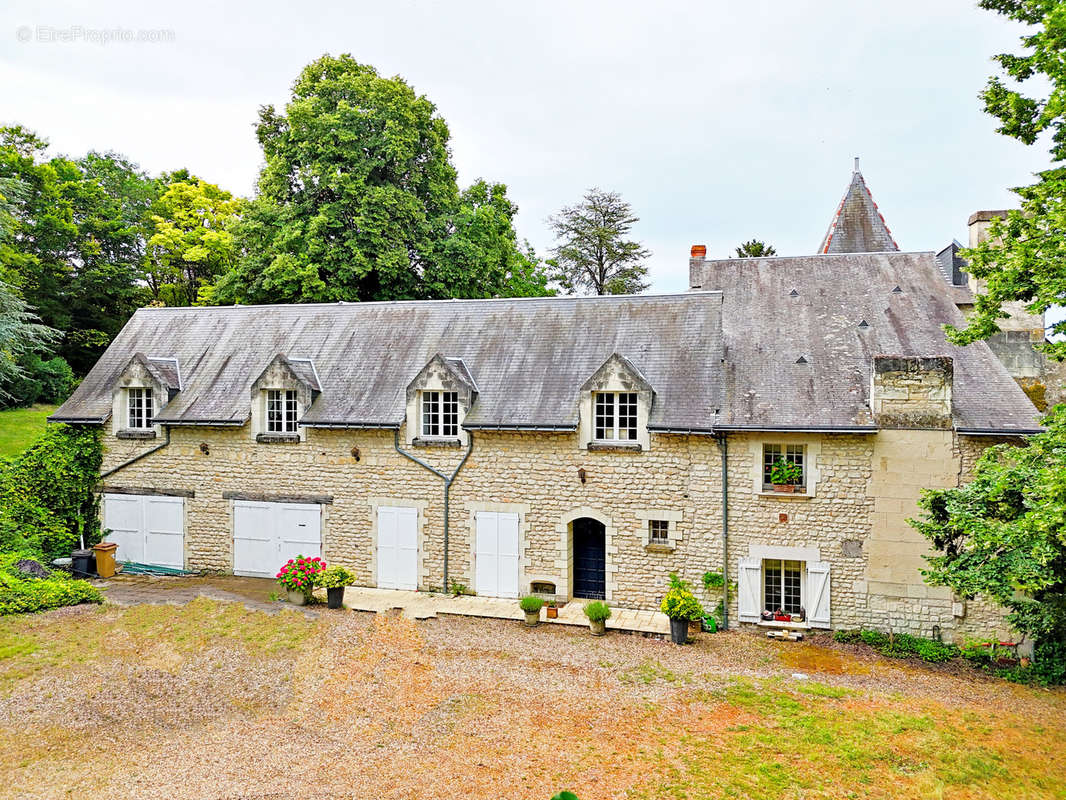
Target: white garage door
point(266, 535)
point(397, 548)
point(148, 529)
point(496, 555)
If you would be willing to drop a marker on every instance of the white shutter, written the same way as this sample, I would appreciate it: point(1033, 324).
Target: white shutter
point(749, 589)
point(508, 556)
point(164, 531)
point(486, 555)
point(397, 547)
point(818, 594)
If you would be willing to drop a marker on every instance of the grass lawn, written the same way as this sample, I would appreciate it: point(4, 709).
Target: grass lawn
point(20, 426)
point(210, 700)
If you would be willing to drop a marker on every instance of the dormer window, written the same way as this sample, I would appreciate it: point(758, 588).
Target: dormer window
point(281, 410)
point(616, 417)
point(140, 409)
point(440, 415)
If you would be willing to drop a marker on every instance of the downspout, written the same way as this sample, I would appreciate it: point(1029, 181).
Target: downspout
point(448, 479)
point(139, 456)
point(723, 446)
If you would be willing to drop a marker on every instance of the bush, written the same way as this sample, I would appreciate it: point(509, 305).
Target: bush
point(597, 611)
point(41, 381)
point(531, 604)
point(20, 594)
point(900, 645)
point(679, 602)
point(47, 498)
point(335, 578)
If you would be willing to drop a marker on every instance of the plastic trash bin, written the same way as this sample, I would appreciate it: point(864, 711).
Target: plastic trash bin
point(83, 563)
point(105, 559)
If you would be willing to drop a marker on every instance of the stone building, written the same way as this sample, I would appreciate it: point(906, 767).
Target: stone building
point(573, 447)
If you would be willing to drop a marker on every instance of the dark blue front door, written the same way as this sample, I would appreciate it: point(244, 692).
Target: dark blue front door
point(590, 559)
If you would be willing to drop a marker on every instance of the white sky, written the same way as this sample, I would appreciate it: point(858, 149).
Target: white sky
point(717, 121)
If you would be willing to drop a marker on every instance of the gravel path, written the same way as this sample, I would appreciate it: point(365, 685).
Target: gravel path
point(372, 706)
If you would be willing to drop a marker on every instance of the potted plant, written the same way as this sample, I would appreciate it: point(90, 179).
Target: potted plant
point(553, 610)
point(598, 612)
point(333, 580)
point(682, 607)
point(297, 578)
point(785, 475)
point(531, 605)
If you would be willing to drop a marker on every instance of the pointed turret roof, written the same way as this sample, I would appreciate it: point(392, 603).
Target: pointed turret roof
point(857, 225)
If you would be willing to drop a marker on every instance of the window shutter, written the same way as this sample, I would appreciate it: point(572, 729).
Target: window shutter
point(818, 594)
point(749, 589)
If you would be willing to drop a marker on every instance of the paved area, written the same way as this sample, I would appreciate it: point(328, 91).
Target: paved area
point(425, 605)
point(261, 594)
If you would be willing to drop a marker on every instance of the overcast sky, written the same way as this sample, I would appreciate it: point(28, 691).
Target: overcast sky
point(717, 121)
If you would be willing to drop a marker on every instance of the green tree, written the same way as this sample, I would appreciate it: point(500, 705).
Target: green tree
point(756, 249)
point(592, 253)
point(358, 200)
point(1003, 535)
point(21, 336)
point(1024, 258)
point(192, 242)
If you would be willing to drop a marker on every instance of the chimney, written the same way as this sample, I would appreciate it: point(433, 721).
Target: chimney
point(912, 392)
point(695, 266)
point(978, 225)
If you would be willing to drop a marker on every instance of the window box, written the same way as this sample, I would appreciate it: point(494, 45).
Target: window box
point(785, 488)
point(278, 438)
point(136, 433)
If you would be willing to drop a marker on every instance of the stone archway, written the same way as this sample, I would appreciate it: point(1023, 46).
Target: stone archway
point(585, 551)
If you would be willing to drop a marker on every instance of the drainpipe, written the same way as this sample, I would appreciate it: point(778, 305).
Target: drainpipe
point(723, 446)
point(448, 479)
point(139, 456)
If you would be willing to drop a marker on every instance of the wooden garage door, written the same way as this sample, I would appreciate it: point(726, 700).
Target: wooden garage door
point(266, 535)
point(496, 555)
point(148, 529)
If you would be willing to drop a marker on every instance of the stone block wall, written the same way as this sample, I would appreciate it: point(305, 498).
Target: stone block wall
point(911, 392)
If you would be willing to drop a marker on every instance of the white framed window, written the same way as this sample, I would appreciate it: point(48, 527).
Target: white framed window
point(615, 416)
point(783, 585)
point(792, 453)
point(281, 411)
point(440, 415)
point(659, 532)
point(139, 408)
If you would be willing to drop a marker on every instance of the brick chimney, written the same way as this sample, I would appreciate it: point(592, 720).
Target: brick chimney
point(912, 392)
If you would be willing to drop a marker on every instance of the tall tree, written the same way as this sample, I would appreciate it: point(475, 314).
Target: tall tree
point(592, 253)
point(21, 335)
point(755, 248)
point(192, 242)
point(1024, 258)
point(358, 200)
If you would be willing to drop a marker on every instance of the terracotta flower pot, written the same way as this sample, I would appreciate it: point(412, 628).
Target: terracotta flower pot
point(787, 488)
point(553, 612)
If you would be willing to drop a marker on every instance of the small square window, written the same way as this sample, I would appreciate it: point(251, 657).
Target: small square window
point(791, 453)
point(616, 416)
point(282, 410)
point(440, 415)
point(659, 531)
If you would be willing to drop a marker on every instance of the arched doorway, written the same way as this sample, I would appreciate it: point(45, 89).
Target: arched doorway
point(590, 558)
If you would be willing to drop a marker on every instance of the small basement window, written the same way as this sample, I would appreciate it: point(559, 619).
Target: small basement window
point(140, 409)
point(440, 415)
point(659, 532)
point(616, 417)
point(792, 453)
point(281, 408)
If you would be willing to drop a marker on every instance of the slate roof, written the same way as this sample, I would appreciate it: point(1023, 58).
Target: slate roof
point(529, 356)
point(857, 226)
point(768, 329)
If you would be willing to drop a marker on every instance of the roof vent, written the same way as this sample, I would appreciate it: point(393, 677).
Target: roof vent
point(864, 324)
point(897, 290)
point(793, 293)
point(801, 360)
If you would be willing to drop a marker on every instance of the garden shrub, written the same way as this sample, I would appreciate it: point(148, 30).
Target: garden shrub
point(41, 381)
point(900, 645)
point(47, 498)
point(531, 604)
point(20, 594)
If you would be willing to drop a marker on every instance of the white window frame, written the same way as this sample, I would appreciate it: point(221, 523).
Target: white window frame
point(281, 411)
point(140, 408)
point(438, 411)
point(795, 452)
point(607, 413)
point(797, 566)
